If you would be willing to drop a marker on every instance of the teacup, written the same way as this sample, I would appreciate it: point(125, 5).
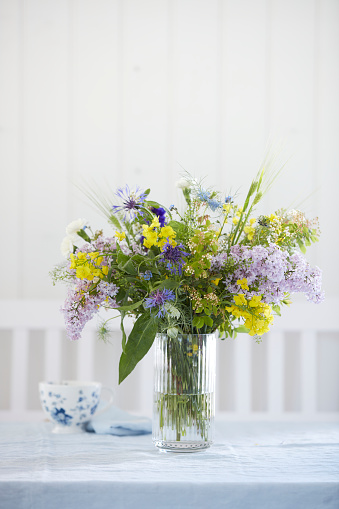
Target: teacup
point(71, 404)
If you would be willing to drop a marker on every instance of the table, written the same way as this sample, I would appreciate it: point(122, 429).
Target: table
point(251, 465)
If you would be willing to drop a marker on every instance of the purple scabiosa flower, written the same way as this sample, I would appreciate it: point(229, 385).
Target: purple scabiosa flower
point(174, 257)
point(131, 201)
point(158, 299)
point(161, 213)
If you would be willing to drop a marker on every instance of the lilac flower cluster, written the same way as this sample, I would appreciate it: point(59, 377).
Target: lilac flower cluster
point(218, 261)
point(271, 272)
point(80, 307)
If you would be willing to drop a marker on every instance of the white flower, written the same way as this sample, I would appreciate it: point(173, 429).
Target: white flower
point(66, 247)
point(75, 226)
point(182, 184)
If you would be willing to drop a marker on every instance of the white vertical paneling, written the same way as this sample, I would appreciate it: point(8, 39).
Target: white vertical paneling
point(45, 141)
point(53, 355)
point(196, 74)
point(145, 96)
point(19, 371)
point(96, 121)
point(327, 138)
point(242, 372)
point(292, 97)
point(244, 90)
point(275, 370)
point(11, 144)
point(308, 358)
point(85, 357)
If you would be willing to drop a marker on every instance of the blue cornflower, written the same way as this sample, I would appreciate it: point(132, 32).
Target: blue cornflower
point(158, 299)
point(161, 213)
point(204, 196)
point(132, 201)
point(174, 256)
point(228, 199)
point(146, 275)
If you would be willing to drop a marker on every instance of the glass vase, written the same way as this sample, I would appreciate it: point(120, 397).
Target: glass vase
point(184, 387)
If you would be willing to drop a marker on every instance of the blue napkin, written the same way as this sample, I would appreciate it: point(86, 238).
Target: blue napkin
point(115, 421)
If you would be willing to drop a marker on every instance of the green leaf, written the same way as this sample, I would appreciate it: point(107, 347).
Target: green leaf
point(301, 246)
point(208, 321)
point(115, 222)
point(169, 284)
point(177, 227)
point(121, 257)
point(130, 307)
point(154, 204)
point(139, 342)
point(276, 309)
point(198, 322)
point(128, 267)
point(123, 342)
point(241, 329)
point(84, 235)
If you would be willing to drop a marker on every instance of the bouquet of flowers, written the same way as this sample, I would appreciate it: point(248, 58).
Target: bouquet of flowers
point(213, 266)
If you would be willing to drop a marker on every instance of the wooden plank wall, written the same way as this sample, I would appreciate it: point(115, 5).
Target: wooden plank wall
point(132, 91)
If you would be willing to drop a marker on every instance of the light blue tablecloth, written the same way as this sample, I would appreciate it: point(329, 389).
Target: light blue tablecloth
point(251, 465)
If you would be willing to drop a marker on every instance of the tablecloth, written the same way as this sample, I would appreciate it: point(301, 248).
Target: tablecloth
point(251, 465)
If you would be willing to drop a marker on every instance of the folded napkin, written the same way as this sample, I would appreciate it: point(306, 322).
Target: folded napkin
point(115, 421)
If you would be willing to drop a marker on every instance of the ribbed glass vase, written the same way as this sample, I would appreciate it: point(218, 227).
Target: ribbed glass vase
point(184, 386)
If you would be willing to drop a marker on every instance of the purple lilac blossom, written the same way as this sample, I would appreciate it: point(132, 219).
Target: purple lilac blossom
point(272, 273)
point(158, 299)
point(218, 261)
point(80, 306)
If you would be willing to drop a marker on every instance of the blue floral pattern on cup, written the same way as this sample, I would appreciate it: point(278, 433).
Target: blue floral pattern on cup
point(69, 404)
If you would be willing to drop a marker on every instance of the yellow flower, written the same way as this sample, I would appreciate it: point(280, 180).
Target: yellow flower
point(73, 264)
point(227, 207)
point(240, 299)
point(105, 270)
point(252, 221)
point(235, 220)
point(243, 283)
point(120, 236)
point(254, 302)
point(249, 230)
point(84, 272)
point(167, 231)
point(216, 281)
point(273, 217)
point(155, 223)
point(150, 239)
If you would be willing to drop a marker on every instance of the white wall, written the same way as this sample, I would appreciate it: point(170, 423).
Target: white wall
point(126, 91)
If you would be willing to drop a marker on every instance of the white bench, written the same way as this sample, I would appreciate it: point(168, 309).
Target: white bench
point(253, 381)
